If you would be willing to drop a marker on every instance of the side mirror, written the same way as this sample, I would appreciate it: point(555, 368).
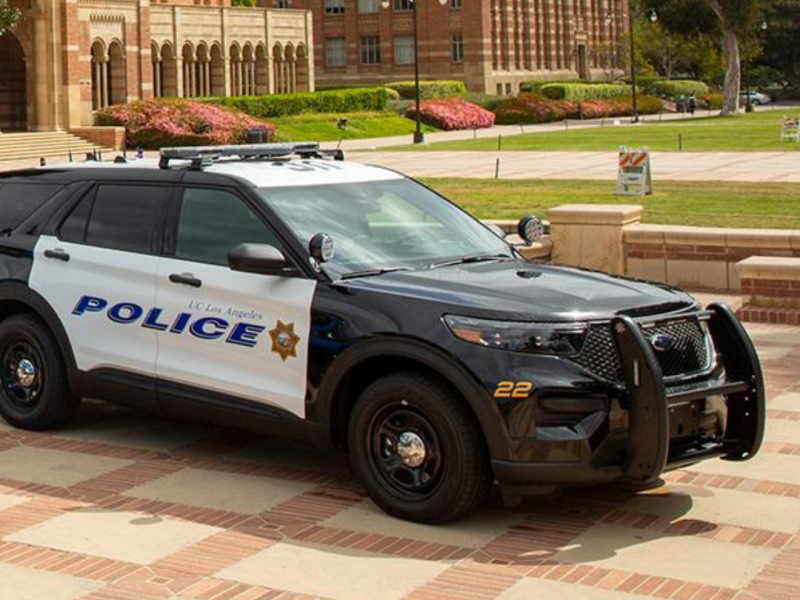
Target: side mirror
point(258, 258)
point(530, 229)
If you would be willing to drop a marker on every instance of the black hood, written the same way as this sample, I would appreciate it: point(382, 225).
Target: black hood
point(517, 289)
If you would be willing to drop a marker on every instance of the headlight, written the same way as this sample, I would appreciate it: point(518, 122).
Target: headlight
point(543, 338)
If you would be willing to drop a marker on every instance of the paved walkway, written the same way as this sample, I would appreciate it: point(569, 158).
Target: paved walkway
point(686, 166)
point(126, 506)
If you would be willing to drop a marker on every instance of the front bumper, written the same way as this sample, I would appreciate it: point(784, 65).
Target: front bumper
point(650, 446)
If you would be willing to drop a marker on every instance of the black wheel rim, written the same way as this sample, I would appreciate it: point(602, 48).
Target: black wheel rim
point(22, 375)
point(405, 451)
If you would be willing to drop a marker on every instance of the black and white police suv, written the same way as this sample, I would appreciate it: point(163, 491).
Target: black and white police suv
point(272, 288)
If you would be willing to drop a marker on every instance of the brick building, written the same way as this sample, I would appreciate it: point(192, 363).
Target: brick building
point(68, 58)
point(492, 45)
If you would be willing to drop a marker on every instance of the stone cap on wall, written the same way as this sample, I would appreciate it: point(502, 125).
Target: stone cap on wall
point(595, 214)
point(770, 267)
point(785, 239)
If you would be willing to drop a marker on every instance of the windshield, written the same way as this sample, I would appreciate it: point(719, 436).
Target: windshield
point(383, 225)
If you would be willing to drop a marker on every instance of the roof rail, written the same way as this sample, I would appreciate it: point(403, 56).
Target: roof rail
point(203, 156)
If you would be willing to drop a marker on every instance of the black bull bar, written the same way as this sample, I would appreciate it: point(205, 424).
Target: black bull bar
point(649, 400)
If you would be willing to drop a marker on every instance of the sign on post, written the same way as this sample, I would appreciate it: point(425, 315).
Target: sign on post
point(791, 129)
point(634, 177)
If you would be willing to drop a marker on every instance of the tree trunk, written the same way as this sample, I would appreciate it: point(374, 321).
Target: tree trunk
point(733, 65)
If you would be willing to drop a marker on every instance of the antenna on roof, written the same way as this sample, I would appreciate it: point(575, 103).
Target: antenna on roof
point(203, 156)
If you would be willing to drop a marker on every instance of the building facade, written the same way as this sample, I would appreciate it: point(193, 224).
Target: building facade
point(68, 58)
point(492, 45)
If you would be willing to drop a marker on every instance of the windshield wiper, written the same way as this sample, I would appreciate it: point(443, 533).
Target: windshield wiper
point(373, 272)
point(469, 259)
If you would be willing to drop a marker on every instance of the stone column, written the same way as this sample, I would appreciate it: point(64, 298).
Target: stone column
point(105, 72)
point(207, 67)
point(591, 235)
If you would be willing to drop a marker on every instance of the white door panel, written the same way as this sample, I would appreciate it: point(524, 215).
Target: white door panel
point(225, 343)
point(98, 295)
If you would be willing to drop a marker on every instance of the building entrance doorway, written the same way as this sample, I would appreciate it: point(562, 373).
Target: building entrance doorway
point(13, 92)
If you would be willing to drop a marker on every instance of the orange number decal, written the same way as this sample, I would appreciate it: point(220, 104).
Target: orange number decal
point(513, 389)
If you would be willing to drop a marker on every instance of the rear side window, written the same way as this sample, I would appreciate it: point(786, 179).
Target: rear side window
point(118, 217)
point(18, 201)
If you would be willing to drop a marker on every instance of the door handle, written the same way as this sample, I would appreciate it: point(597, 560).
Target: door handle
point(185, 279)
point(57, 254)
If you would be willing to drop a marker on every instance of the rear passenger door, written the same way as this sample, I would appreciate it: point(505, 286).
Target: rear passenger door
point(236, 334)
point(98, 272)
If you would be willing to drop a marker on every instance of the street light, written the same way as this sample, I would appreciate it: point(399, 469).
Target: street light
point(652, 16)
point(419, 137)
point(748, 106)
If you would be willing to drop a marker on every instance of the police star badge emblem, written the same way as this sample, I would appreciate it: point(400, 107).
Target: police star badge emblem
point(284, 340)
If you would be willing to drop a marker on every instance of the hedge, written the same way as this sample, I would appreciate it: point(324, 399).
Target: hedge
point(676, 88)
point(285, 105)
point(536, 86)
point(584, 91)
point(429, 89)
point(535, 108)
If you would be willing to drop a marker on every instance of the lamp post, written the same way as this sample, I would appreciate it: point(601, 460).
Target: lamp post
point(652, 16)
point(419, 137)
point(748, 103)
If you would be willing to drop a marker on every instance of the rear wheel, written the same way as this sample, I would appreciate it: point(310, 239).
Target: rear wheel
point(418, 449)
point(34, 392)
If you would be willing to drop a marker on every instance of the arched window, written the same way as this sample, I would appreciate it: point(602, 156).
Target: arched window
point(169, 72)
point(117, 76)
point(217, 71)
point(189, 74)
point(302, 82)
point(236, 71)
point(100, 87)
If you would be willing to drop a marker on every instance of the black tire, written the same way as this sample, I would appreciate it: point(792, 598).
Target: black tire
point(454, 476)
point(36, 399)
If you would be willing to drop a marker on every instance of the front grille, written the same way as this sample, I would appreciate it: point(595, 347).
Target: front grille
point(690, 353)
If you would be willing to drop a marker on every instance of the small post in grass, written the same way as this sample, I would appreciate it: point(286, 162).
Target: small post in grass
point(497, 169)
point(475, 134)
point(680, 142)
point(499, 143)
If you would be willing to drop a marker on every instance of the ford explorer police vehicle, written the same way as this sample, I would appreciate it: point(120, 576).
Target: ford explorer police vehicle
point(274, 288)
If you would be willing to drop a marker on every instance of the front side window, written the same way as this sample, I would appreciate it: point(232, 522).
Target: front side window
point(335, 52)
point(213, 222)
point(370, 50)
point(404, 50)
point(334, 7)
point(18, 201)
point(396, 223)
point(117, 217)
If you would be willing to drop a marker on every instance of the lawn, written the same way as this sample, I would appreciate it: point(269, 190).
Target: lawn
point(324, 127)
point(753, 132)
point(712, 204)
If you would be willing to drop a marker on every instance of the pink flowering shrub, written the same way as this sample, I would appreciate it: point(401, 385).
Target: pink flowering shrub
point(152, 124)
point(452, 113)
point(535, 108)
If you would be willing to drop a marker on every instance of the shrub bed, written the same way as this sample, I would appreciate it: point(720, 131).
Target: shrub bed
point(429, 90)
point(713, 101)
point(676, 88)
point(453, 113)
point(535, 108)
point(284, 105)
point(584, 91)
point(152, 124)
point(536, 86)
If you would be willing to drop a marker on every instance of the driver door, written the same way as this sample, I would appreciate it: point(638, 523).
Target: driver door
point(231, 333)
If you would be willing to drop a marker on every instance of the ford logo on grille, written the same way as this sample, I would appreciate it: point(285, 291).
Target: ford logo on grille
point(662, 342)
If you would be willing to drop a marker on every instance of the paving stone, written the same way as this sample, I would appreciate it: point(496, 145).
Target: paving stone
point(719, 506)
point(7, 500)
point(786, 432)
point(221, 491)
point(20, 583)
point(124, 536)
point(786, 401)
point(544, 589)
point(54, 467)
point(333, 572)
point(770, 467)
point(681, 557)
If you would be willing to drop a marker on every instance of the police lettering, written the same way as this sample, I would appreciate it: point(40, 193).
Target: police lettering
point(205, 328)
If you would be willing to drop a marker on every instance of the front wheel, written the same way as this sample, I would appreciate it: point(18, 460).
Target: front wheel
point(418, 449)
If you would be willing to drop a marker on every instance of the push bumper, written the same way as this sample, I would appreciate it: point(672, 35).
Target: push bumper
point(649, 401)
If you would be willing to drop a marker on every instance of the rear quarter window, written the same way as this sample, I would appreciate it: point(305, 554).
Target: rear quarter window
point(18, 201)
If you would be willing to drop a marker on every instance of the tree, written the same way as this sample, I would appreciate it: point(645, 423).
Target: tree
point(781, 41)
point(737, 20)
point(9, 16)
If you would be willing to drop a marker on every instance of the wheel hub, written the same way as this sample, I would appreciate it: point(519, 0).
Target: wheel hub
point(26, 373)
point(411, 449)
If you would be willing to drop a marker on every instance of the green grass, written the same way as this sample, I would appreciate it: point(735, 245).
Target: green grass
point(752, 132)
point(323, 127)
point(710, 204)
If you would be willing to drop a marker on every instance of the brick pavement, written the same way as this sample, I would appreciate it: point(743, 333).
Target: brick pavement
point(127, 506)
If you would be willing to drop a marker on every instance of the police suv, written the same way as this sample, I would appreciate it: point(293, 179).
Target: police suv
point(275, 288)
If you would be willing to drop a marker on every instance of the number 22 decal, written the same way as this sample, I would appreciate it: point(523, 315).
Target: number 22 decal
point(513, 389)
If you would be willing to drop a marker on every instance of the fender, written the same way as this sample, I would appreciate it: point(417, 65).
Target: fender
point(19, 292)
point(483, 407)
